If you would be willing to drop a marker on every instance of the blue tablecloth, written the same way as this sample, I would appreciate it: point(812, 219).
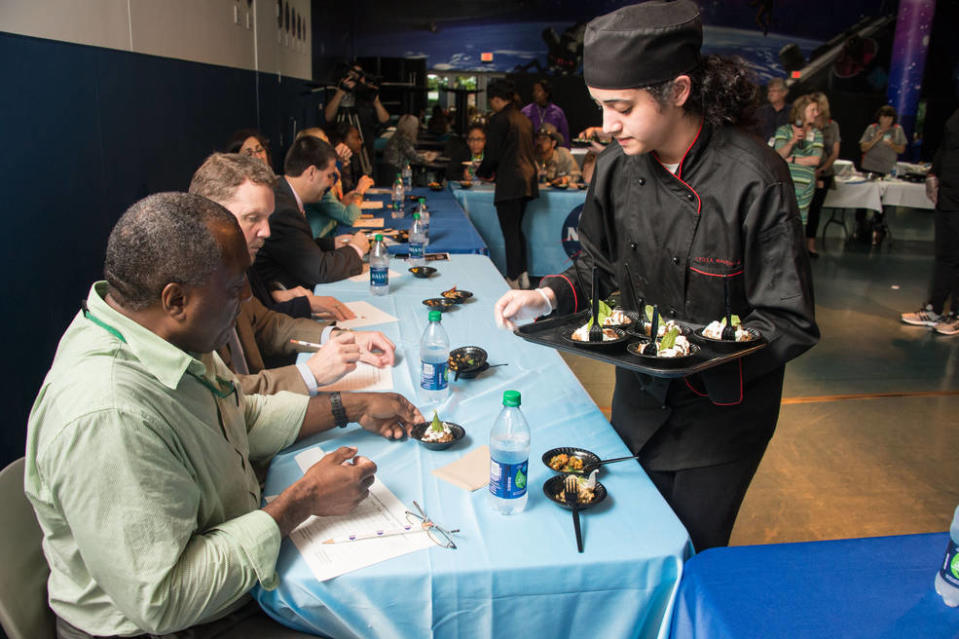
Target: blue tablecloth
point(450, 229)
point(510, 575)
point(877, 588)
point(547, 224)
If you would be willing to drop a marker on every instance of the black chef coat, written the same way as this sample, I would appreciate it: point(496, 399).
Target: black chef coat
point(729, 213)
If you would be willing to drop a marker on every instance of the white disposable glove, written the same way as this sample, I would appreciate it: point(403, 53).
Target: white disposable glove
point(519, 306)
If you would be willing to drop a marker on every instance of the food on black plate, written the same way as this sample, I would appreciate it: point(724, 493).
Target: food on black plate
point(437, 432)
point(672, 344)
point(438, 303)
point(581, 334)
point(584, 494)
point(714, 330)
point(463, 361)
point(456, 295)
point(422, 271)
point(566, 463)
point(616, 317)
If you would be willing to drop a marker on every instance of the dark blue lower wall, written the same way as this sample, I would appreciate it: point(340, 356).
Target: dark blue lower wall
point(85, 132)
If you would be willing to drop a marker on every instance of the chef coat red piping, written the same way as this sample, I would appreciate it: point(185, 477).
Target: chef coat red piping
point(738, 401)
point(693, 388)
point(679, 170)
point(575, 298)
point(739, 272)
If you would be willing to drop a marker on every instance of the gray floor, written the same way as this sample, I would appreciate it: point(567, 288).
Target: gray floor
point(867, 437)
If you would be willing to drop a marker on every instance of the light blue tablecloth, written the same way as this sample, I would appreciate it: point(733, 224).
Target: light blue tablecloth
point(510, 575)
point(450, 228)
point(545, 225)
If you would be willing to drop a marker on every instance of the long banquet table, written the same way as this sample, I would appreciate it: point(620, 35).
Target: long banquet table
point(509, 575)
point(880, 587)
point(547, 225)
point(450, 229)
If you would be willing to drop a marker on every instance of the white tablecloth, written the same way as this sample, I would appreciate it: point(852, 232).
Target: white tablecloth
point(874, 194)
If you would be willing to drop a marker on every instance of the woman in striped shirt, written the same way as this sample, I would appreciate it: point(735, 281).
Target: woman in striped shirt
point(800, 144)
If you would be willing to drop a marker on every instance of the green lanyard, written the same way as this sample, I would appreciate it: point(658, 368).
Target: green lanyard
point(218, 390)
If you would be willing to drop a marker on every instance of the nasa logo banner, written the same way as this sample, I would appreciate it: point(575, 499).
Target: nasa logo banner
point(570, 231)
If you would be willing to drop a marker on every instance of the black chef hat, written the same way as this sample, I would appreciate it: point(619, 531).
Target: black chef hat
point(642, 44)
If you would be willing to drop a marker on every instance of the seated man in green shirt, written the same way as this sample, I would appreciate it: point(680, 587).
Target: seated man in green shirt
point(141, 446)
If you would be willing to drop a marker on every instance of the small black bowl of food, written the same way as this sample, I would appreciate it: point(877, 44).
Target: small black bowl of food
point(612, 337)
point(468, 361)
point(555, 489)
point(465, 184)
point(422, 271)
point(712, 335)
point(458, 296)
point(569, 459)
point(435, 438)
point(439, 303)
point(675, 356)
point(435, 186)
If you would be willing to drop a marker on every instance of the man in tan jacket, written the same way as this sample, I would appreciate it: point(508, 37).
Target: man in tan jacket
point(244, 186)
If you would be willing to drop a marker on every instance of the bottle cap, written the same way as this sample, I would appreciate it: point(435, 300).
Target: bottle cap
point(511, 398)
point(436, 316)
point(416, 216)
point(377, 238)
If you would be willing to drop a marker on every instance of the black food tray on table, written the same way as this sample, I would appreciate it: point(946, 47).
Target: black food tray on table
point(549, 332)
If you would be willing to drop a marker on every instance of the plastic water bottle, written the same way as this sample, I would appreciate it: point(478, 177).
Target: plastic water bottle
point(509, 457)
point(434, 360)
point(407, 176)
point(424, 218)
point(417, 242)
point(396, 201)
point(947, 579)
point(379, 267)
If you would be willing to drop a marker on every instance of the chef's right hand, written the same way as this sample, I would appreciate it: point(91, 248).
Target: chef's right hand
point(517, 306)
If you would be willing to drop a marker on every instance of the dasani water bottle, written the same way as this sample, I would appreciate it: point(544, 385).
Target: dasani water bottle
point(509, 457)
point(397, 197)
point(947, 579)
point(417, 242)
point(434, 360)
point(379, 267)
point(424, 218)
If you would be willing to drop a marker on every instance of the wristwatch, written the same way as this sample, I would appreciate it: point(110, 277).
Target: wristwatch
point(339, 413)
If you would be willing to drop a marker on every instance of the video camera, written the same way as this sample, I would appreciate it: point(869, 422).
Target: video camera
point(366, 86)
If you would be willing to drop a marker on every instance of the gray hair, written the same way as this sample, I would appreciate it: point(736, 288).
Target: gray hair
point(221, 174)
point(777, 83)
point(163, 238)
point(408, 126)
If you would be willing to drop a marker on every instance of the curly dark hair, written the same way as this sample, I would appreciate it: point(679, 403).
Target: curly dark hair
point(723, 91)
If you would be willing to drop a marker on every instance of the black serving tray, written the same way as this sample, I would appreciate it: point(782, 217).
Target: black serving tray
point(549, 332)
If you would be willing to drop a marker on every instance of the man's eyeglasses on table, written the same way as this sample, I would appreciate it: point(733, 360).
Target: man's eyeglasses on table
point(437, 534)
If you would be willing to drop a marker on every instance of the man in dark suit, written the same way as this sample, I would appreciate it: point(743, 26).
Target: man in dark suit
point(509, 157)
point(290, 256)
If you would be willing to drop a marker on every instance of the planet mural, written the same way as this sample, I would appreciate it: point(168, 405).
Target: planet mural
point(544, 47)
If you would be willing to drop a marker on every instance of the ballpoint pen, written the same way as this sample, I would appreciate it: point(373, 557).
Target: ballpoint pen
point(409, 528)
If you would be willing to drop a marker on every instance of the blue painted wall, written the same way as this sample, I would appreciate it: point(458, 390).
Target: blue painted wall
point(85, 132)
